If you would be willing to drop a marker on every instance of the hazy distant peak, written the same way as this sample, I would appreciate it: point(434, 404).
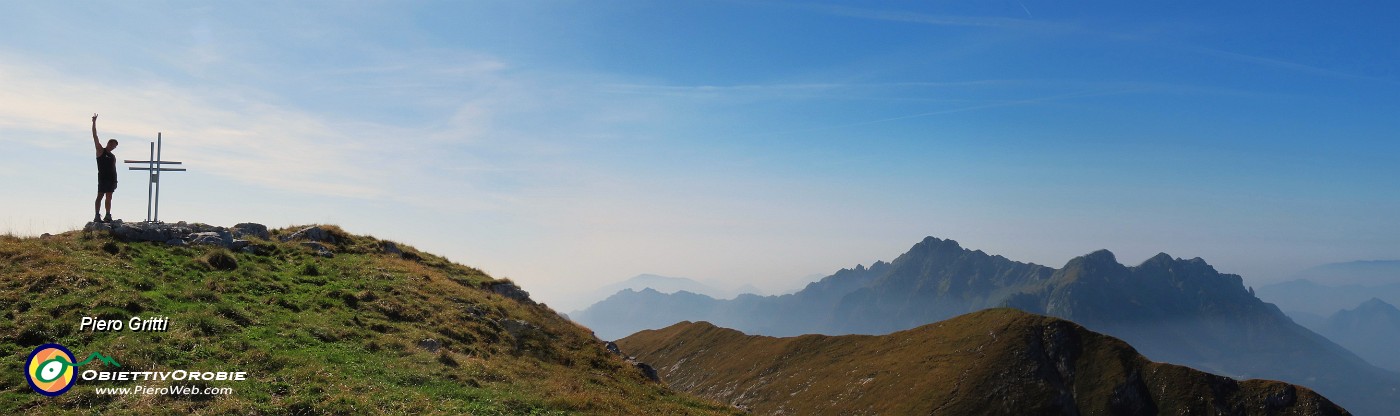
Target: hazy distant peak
point(936, 244)
point(648, 278)
point(1376, 305)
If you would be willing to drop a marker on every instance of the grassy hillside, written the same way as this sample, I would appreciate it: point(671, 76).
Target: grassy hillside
point(317, 335)
point(993, 362)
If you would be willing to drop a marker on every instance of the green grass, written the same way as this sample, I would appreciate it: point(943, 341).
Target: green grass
point(316, 335)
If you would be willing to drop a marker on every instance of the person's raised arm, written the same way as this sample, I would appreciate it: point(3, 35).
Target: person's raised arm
point(95, 143)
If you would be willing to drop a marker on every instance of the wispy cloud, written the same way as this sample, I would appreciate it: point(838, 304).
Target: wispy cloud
point(473, 138)
point(790, 87)
point(996, 22)
point(1284, 64)
point(986, 106)
point(251, 142)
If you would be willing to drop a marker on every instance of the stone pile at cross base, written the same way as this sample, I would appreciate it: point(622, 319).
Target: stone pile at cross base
point(182, 233)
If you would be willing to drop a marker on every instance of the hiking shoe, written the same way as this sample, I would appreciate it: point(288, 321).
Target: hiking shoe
point(108, 218)
point(96, 218)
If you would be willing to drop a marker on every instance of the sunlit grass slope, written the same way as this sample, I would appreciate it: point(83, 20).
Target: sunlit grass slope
point(317, 335)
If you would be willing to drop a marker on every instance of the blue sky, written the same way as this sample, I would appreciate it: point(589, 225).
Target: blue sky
point(568, 145)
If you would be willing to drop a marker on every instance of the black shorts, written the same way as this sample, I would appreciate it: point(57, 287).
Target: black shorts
point(106, 186)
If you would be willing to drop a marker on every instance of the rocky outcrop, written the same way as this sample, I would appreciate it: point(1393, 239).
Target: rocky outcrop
point(647, 370)
point(312, 233)
point(510, 290)
point(249, 229)
point(320, 249)
point(390, 248)
point(182, 233)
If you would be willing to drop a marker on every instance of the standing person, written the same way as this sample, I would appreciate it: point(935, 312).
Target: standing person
point(106, 174)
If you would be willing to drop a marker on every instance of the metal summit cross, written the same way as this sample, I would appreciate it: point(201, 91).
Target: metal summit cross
point(155, 166)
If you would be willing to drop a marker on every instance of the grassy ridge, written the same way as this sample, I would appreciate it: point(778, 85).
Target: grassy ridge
point(316, 335)
point(992, 362)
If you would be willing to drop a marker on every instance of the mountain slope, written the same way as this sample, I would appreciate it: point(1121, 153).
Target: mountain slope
point(995, 362)
point(1186, 312)
point(1173, 310)
point(1372, 330)
point(343, 324)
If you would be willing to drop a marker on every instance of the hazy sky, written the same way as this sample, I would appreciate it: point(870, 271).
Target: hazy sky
point(568, 145)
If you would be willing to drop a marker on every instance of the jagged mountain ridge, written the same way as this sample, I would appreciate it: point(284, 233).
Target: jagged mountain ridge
point(1175, 310)
point(995, 362)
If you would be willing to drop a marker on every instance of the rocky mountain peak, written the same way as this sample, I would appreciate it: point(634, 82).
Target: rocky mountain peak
point(931, 243)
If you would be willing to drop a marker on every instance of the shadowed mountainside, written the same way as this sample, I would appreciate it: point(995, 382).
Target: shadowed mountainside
point(993, 362)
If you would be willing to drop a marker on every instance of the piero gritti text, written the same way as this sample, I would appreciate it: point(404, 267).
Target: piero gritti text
point(134, 324)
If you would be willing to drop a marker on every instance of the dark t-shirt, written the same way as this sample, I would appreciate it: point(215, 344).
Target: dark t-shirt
point(107, 167)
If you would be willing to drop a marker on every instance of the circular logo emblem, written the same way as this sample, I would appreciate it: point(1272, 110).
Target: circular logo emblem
point(50, 369)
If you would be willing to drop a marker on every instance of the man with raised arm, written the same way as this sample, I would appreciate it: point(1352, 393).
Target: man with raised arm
point(106, 174)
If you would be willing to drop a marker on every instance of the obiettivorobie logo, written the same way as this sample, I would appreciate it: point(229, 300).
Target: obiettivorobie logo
point(51, 368)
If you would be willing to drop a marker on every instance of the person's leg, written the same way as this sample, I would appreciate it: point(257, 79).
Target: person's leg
point(109, 206)
point(97, 208)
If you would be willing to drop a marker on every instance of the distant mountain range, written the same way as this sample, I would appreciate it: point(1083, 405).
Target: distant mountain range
point(1308, 300)
point(662, 284)
point(993, 362)
point(1364, 273)
point(1174, 310)
point(1371, 330)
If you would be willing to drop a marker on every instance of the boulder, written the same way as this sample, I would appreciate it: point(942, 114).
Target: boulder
point(390, 248)
point(312, 233)
point(249, 229)
point(646, 369)
point(205, 238)
point(320, 249)
point(431, 345)
point(225, 236)
point(510, 290)
point(519, 329)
